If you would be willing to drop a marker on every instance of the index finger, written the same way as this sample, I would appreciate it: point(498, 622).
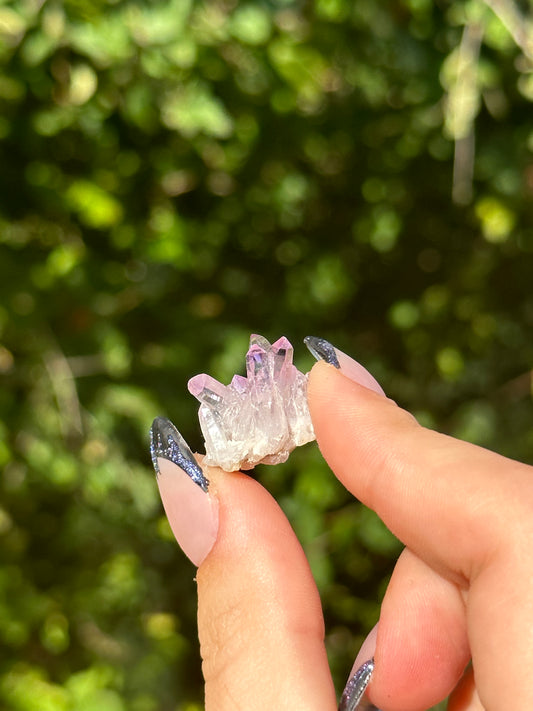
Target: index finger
point(418, 481)
point(464, 511)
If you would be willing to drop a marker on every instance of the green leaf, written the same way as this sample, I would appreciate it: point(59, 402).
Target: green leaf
point(95, 206)
point(193, 109)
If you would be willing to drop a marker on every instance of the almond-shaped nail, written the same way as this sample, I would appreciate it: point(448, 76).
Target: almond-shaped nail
point(191, 510)
point(353, 695)
point(365, 655)
point(324, 350)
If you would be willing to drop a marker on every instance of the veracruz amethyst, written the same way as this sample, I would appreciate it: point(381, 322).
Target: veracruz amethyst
point(258, 418)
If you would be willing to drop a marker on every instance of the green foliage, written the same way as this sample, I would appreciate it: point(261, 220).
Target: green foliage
point(178, 174)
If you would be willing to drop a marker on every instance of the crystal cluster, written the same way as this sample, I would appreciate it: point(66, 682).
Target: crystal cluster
point(258, 418)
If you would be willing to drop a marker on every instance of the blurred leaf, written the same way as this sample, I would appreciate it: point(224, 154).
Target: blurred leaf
point(251, 24)
point(96, 207)
point(496, 220)
point(192, 109)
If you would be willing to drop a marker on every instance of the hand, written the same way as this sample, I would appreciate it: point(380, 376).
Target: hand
point(462, 588)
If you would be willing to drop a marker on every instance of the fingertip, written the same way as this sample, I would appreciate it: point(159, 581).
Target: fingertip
point(332, 395)
point(422, 645)
point(356, 429)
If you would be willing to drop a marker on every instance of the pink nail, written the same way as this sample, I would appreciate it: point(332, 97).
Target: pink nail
point(323, 350)
point(354, 697)
point(192, 514)
point(368, 649)
point(191, 511)
point(355, 371)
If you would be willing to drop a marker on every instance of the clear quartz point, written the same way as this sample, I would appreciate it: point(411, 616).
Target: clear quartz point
point(255, 419)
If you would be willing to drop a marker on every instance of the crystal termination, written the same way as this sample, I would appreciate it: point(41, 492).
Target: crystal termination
point(258, 418)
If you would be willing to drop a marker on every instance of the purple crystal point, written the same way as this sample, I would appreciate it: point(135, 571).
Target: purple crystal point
point(256, 339)
point(258, 418)
point(283, 344)
point(282, 351)
point(239, 383)
point(261, 341)
point(207, 390)
point(257, 362)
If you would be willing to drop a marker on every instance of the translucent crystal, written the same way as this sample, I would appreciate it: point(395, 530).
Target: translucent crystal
point(258, 418)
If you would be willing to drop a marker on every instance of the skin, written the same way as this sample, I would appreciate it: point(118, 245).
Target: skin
point(461, 590)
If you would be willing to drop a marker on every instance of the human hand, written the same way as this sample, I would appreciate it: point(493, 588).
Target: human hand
point(461, 589)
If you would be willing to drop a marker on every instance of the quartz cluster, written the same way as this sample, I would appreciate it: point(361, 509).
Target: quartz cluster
point(258, 418)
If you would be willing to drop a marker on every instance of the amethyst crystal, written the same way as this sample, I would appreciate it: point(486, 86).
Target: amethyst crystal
point(258, 418)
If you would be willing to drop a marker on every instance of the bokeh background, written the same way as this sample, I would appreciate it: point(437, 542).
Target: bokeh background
point(175, 175)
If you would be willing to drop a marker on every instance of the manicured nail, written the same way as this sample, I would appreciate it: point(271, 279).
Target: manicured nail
point(352, 696)
point(368, 649)
point(191, 511)
point(323, 350)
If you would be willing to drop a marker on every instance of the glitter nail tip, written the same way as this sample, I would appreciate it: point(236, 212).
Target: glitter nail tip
point(322, 350)
point(167, 443)
point(255, 419)
point(352, 696)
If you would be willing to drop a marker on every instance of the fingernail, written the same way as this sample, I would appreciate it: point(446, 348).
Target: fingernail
point(324, 350)
point(352, 696)
point(368, 648)
point(191, 511)
point(366, 653)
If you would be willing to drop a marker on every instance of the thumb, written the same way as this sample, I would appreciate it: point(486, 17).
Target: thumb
point(259, 616)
